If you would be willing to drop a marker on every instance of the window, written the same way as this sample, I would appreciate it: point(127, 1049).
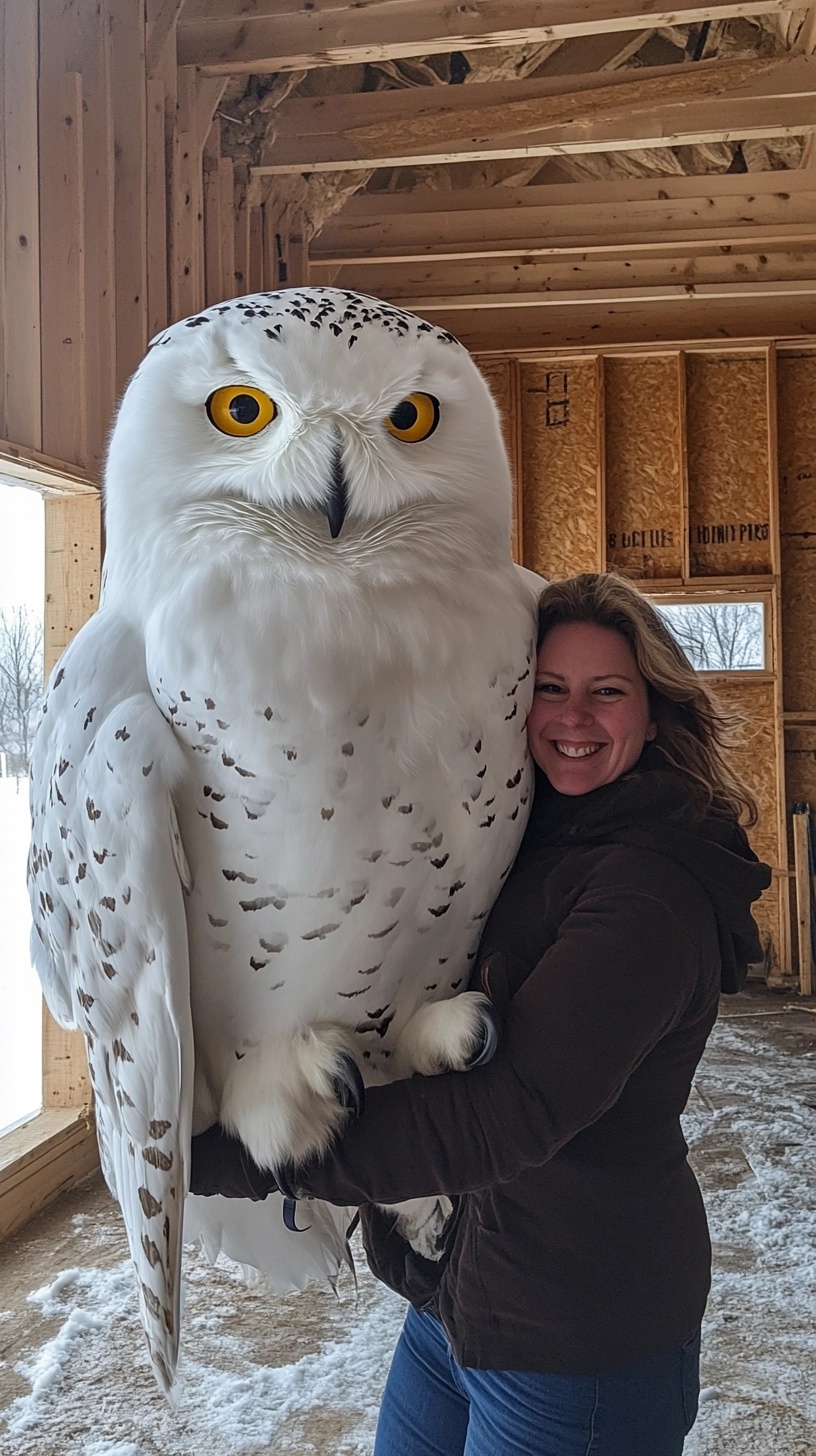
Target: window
point(22, 596)
point(719, 634)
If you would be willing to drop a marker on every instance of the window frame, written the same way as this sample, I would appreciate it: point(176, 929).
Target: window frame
point(57, 1147)
point(699, 596)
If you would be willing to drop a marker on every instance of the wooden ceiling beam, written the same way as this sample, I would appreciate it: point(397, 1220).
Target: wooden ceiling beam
point(713, 121)
point(669, 324)
point(551, 279)
point(229, 37)
point(715, 101)
point(736, 295)
point(700, 243)
point(400, 207)
point(500, 108)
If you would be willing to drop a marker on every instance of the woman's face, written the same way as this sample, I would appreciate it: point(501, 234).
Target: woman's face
point(590, 715)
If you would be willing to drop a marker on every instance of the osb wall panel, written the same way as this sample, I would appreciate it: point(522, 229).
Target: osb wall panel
point(644, 467)
point(797, 523)
point(501, 376)
point(755, 759)
point(728, 464)
point(561, 409)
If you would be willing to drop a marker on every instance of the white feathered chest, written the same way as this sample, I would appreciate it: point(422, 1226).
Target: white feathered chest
point(342, 865)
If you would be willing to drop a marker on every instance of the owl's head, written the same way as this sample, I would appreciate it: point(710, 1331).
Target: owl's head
point(323, 415)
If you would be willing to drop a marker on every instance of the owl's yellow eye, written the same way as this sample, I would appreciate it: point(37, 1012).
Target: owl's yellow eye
point(414, 418)
point(238, 409)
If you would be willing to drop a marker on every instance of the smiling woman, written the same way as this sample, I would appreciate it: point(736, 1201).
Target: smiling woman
point(590, 716)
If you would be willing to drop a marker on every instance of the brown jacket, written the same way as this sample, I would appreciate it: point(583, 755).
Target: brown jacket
point(579, 1239)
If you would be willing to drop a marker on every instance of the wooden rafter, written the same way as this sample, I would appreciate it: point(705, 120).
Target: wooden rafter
point(539, 281)
point(679, 105)
point(501, 108)
point(602, 218)
point(234, 36)
point(661, 323)
point(734, 294)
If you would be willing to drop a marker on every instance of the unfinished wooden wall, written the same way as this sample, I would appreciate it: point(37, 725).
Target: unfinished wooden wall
point(692, 472)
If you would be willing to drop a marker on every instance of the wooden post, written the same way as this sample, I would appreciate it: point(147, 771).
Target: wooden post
point(801, 852)
point(72, 571)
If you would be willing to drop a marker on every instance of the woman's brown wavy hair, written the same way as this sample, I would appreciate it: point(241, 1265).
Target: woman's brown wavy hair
point(694, 733)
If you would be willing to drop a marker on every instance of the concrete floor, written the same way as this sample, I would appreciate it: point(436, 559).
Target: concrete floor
point(75, 1385)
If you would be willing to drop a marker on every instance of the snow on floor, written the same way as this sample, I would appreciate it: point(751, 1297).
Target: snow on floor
point(304, 1373)
point(244, 1389)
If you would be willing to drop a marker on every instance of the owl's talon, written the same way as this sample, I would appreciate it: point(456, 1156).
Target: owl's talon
point(485, 1048)
point(349, 1086)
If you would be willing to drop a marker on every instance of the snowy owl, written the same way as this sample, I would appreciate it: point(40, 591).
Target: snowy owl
point(281, 774)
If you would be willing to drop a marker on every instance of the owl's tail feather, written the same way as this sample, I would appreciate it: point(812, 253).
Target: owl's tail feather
point(255, 1235)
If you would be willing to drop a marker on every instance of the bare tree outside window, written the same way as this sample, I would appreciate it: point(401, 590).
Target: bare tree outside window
point(21, 687)
point(22, 601)
point(718, 636)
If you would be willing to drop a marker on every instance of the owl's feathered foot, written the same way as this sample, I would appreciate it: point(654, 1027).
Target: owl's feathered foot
point(286, 1098)
point(448, 1036)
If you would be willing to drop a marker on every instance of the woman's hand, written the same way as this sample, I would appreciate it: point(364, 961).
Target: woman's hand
point(220, 1164)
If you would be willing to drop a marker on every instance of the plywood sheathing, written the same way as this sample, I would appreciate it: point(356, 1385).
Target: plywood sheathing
point(502, 380)
point(797, 522)
point(644, 466)
point(561, 431)
point(756, 759)
point(728, 465)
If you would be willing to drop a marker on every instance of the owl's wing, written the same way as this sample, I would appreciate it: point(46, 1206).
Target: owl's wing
point(107, 875)
point(534, 583)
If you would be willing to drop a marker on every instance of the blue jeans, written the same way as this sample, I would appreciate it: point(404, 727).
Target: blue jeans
point(434, 1407)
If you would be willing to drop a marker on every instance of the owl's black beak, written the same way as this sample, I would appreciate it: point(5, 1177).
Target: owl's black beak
point(337, 502)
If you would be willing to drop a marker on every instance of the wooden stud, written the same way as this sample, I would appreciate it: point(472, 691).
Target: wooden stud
point(93, 59)
point(72, 568)
point(226, 176)
point(682, 414)
point(72, 576)
point(240, 220)
point(160, 91)
point(804, 895)
point(255, 250)
point(127, 25)
point(213, 260)
point(186, 199)
point(62, 229)
point(797, 508)
point(298, 258)
point(20, 268)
